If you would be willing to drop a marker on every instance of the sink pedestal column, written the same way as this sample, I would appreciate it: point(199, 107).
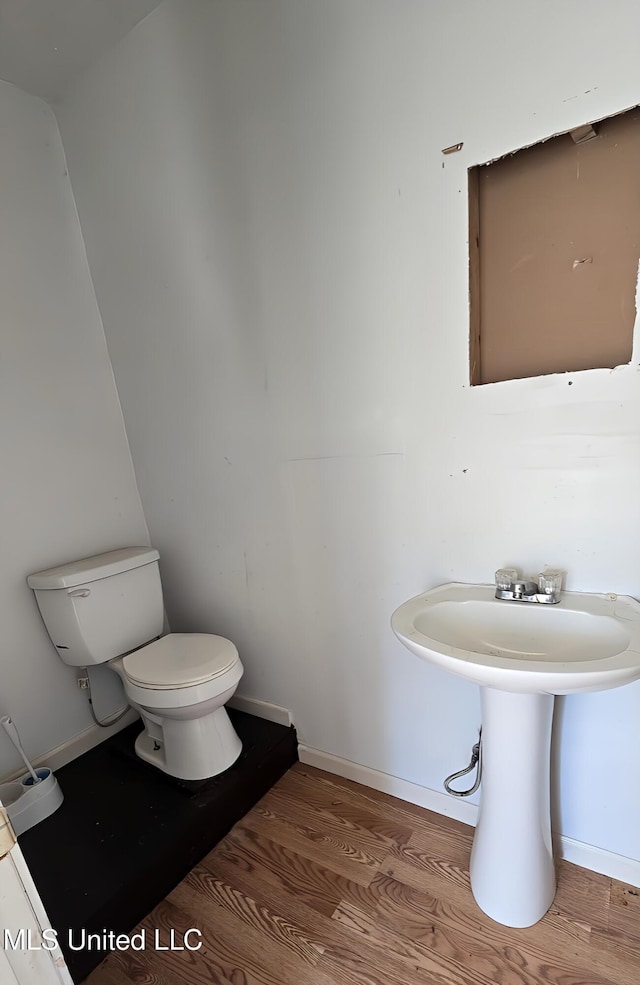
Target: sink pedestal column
point(512, 871)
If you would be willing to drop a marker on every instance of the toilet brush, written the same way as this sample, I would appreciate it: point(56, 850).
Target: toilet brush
point(7, 723)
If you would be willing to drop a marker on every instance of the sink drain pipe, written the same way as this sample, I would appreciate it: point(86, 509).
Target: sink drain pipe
point(476, 762)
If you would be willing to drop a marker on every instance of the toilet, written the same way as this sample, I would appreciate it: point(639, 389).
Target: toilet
point(108, 609)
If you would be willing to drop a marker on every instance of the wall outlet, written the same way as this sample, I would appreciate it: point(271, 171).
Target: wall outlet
point(83, 683)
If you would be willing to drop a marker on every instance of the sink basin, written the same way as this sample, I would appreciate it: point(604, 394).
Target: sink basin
point(522, 654)
point(585, 642)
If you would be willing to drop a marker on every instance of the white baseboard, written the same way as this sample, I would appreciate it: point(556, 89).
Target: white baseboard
point(599, 860)
point(76, 746)
point(587, 856)
point(261, 709)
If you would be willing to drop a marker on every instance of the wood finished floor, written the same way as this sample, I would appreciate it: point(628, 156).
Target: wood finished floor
point(327, 882)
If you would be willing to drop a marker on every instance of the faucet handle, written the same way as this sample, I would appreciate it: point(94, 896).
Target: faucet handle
point(505, 577)
point(550, 582)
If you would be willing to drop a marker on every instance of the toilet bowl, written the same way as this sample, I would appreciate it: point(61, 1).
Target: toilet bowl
point(180, 684)
point(108, 609)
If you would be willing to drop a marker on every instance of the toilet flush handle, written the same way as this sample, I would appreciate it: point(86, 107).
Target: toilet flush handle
point(79, 593)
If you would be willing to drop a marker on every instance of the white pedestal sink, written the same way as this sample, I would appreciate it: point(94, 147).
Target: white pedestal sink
point(522, 654)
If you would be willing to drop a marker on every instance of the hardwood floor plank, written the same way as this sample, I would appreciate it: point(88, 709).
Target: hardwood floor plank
point(427, 870)
point(214, 964)
point(317, 886)
point(619, 943)
point(338, 943)
point(619, 953)
point(140, 973)
point(339, 855)
point(315, 817)
point(624, 912)
point(203, 885)
point(109, 974)
point(147, 971)
point(440, 844)
point(335, 806)
point(455, 967)
point(582, 896)
point(355, 842)
point(348, 961)
point(351, 967)
point(234, 948)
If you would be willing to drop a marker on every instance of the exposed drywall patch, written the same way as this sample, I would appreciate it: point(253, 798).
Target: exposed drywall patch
point(554, 248)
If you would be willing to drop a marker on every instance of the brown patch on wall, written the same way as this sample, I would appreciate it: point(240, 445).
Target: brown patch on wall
point(554, 242)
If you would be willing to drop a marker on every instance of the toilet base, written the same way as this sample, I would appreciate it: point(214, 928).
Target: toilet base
point(192, 749)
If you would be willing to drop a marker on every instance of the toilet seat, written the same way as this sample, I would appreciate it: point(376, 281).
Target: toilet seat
point(180, 660)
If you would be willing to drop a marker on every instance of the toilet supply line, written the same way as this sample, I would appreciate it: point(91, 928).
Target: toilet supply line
point(115, 718)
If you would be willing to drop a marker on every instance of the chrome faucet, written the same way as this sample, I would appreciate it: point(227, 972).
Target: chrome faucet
point(546, 589)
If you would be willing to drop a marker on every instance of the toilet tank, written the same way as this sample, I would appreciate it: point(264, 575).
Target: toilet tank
point(102, 606)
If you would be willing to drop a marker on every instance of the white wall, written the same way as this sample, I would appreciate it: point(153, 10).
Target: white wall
point(67, 486)
point(279, 250)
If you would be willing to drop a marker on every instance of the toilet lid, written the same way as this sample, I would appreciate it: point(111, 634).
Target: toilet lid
point(180, 660)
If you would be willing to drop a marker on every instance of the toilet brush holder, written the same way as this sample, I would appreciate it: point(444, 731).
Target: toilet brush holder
point(34, 795)
point(27, 802)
